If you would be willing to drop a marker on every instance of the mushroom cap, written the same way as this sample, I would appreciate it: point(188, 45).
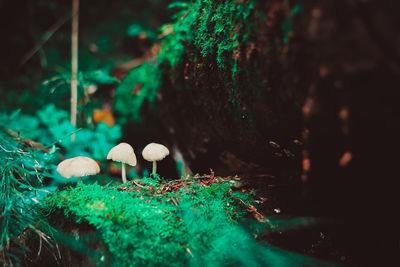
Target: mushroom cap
point(155, 152)
point(77, 167)
point(123, 153)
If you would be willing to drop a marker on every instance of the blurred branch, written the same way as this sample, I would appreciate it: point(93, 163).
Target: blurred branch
point(27, 142)
point(48, 34)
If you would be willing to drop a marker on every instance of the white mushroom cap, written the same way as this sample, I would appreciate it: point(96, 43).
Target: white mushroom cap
point(77, 167)
point(155, 152)
point(123, 153)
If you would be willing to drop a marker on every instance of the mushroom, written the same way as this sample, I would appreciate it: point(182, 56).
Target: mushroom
point(155, 152)
point(123, 153)
point(78, 167)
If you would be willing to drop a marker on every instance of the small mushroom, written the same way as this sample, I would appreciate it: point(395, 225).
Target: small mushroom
point(123, 153)
point(155, 152)
point(78, 167)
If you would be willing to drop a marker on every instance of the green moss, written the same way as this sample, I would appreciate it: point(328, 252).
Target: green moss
point(218, 29)
point(156, 225)
point(214, 28)
point(145, 226)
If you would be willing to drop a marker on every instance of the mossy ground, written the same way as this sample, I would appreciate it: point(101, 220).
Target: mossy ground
point(184, 222)
point(155, 224)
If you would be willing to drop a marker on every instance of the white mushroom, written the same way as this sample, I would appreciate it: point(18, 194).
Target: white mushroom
point(123, 153)
point(155, 152)
point(78, 167)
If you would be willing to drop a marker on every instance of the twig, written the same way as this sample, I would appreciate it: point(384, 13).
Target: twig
point(190, 253)
point(137, 184)
point(173, 200)
point(74, 63)
point(59, 139)
point(184, 16)
point(253, 210)
point(48, 34)
point(26, 142)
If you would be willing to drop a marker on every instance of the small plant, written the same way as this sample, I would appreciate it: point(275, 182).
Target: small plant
point(22, 169)
point(52, 125)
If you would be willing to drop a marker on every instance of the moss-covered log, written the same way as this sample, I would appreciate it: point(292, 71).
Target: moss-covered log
point(247, 82)
point(233, 80)
point(238, 86)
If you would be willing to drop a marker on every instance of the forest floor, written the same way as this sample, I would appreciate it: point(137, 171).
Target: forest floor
point(284, 201)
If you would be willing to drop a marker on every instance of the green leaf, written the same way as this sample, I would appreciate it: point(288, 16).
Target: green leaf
point(100, 77)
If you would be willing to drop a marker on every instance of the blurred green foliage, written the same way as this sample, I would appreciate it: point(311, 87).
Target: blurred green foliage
point(106, 39)
point(51, 125)
point(148, 76)
point(147, 80)
point(140, 29)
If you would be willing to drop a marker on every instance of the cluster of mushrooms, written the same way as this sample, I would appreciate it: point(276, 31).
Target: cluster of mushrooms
point(84, 166)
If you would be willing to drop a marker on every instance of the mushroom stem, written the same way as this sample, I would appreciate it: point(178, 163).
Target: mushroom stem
point(154, 167)
point(123, 173)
